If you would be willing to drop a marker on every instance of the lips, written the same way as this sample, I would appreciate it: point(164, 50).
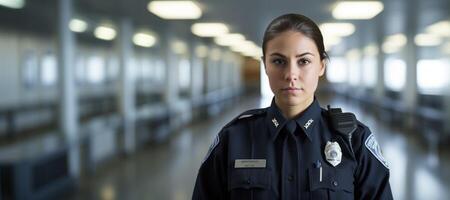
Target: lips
point(291, 88)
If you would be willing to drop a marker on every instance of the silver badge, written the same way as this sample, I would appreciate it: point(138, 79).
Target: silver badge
point(275, 122)
point(333, 153)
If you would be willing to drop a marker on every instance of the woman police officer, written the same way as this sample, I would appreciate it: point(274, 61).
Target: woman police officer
point(294, 149)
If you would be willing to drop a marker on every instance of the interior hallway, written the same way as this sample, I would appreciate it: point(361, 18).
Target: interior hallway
point(168, 170)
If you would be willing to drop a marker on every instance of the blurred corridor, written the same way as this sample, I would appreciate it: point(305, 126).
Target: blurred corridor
point(120, 99)
point(168, 170)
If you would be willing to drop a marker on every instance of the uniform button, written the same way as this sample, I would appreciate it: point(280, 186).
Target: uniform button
point(290, 178)
point(248, 181)
point(335, 183)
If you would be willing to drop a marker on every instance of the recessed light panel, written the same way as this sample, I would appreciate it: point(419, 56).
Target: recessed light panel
point(357, 9)
point(209, 29)
point(175, 9)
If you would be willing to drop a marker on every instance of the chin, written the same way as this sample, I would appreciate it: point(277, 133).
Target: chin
point(292, 100)
point(297, 99)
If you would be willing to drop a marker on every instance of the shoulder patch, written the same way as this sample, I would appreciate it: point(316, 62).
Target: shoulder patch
point(212, 147)
point(372, 145)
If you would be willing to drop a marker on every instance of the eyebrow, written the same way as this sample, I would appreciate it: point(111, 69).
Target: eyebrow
point(300, 55)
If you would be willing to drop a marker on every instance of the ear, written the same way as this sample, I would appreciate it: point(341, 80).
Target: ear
point(322, 67)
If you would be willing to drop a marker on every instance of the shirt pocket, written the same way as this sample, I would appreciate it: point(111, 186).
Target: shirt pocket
point(250, 184)
point(336, 183)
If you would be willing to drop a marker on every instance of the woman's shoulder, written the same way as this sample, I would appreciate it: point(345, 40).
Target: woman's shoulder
point(344, 123)
point(246, 116)
point(362, 131)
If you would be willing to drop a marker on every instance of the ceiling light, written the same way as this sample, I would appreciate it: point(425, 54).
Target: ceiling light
point(105, 33)
point(201, 51)
point(441, 28)
point(144, 39)
point(357, 9)
point(16, 4)
point(353, 54)
point(209, 29)
point(256, 53)
point(394, 43)
point(371, 50)
point(242, 46)
point(331, 41)
point(257, 58)
point(337, 29)
point(388, 48)
point(215, 54)
point(397, 39)
point(229, 39)
point(424, 39)
point(175, 9)
point(179, 47)
point(77, 25)
point(247, 48)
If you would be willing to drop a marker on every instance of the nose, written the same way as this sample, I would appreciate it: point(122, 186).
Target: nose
point(292, 72)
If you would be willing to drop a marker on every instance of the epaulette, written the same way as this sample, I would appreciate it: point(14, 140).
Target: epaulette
point(247, 114)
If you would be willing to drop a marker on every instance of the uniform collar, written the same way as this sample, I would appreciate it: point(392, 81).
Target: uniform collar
point(305, 121)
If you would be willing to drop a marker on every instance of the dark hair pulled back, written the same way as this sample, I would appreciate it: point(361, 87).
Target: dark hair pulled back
point(298, 23)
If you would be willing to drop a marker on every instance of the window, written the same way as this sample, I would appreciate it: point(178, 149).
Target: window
point(337, 70)
point(354, 73)
point(370, 71)
point(146, 69)
point(184, 74)
point(432, 76)
point(394, 74)
point(95, 69)
point(160, 71)
point(30, 70)
point(49, 73)
point(113, 68)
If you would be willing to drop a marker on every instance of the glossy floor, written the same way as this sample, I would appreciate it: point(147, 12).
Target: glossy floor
point(168, 170)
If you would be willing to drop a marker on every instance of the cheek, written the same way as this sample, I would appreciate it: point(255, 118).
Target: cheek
point(310, 81)
point(272, 74)
point(274, 79)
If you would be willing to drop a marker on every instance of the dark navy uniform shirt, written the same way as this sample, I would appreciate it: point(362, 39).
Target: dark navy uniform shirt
point(261, 155)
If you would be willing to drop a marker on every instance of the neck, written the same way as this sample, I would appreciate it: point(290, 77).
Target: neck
point(292, 111)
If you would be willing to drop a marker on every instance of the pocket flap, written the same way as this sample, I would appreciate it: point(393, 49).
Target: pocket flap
point(333, 179)
point(249, 178)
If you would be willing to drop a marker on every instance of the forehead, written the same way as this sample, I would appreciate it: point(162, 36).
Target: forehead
point(291, 42)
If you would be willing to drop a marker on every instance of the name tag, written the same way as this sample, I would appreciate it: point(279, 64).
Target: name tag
point(250, 163)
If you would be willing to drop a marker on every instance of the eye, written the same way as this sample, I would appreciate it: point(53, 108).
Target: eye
point(304, 61)
point(278, 61)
